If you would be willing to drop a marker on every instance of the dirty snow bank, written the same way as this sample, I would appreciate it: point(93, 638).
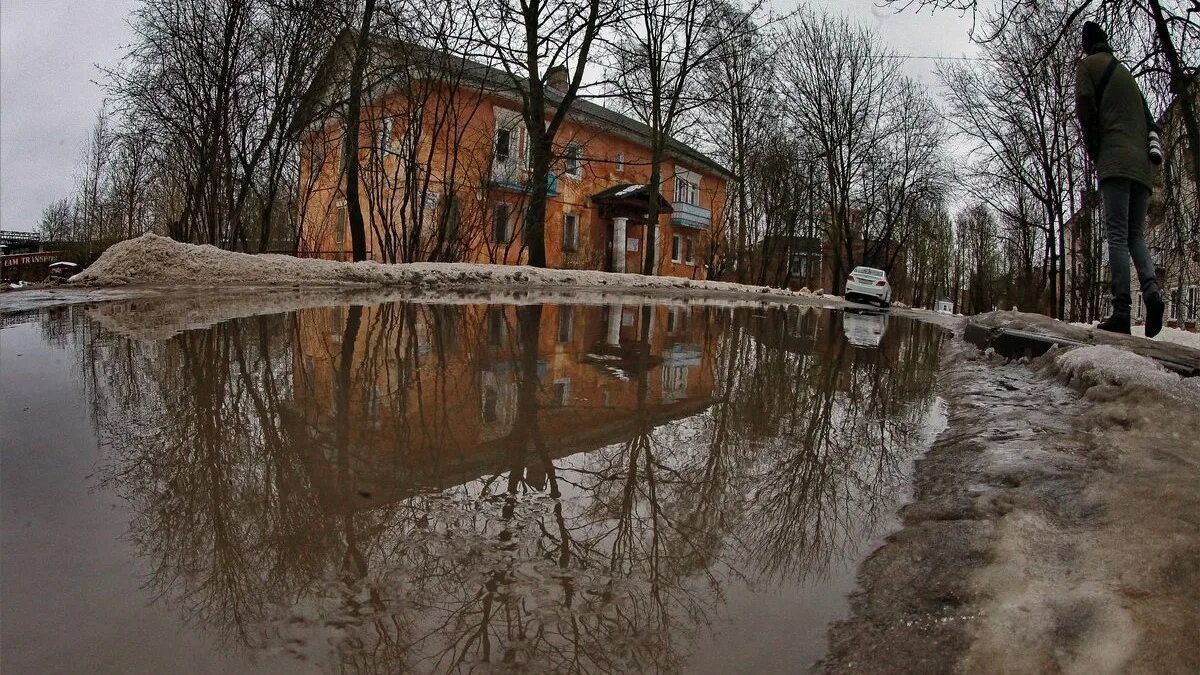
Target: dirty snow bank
point(1113, 367)
point(151, 259)
point(1175, 335)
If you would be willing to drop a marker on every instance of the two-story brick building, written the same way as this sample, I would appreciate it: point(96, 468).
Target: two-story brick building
point(444, 163)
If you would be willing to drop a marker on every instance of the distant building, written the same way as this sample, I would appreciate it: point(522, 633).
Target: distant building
point(446, 164)
point(810, 261)
point(1173, 228)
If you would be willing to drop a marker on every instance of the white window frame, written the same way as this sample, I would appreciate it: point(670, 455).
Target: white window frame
point(619, 160)
point(687, 187)
point(574, 152)
point(689, 250)
point(570, 240)
point(508, 146)
point(677, 248)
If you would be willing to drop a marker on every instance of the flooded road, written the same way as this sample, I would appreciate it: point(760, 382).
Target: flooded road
point(410, 487)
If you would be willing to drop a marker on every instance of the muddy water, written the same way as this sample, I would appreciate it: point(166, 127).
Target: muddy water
point(420, 487)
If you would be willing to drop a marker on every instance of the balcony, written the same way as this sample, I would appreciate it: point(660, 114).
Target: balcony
point(511, 176)
point(690, 215)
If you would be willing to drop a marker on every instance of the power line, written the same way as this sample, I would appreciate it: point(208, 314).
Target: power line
point(937, 58)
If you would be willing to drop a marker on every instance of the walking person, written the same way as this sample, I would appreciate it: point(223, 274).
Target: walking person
point(1116, 130)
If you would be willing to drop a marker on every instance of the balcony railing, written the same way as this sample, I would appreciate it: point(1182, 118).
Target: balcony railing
point(690, 215)
point(511, 176)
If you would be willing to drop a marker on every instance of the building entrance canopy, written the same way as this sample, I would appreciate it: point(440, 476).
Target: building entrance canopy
point(629, 200)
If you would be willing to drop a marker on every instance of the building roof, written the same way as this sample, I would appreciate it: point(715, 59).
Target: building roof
point(495, 81)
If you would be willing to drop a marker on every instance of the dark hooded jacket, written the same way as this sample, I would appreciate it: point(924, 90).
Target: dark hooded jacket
point(1116, 126)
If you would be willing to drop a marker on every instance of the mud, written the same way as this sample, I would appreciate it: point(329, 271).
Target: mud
point(1053, 529)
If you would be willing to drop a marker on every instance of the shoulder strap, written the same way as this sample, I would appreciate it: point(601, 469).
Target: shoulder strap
point(1108, 73)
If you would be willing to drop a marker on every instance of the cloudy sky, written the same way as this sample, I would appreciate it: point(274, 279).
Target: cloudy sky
point(51, 52)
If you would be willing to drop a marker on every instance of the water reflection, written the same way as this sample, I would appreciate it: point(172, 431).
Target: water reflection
point(409, 487)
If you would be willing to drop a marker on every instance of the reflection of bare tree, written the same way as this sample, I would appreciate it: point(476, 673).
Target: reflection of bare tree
point(406, 481)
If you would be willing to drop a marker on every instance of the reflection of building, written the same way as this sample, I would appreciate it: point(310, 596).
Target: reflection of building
point(446, 167)
point(433, 396)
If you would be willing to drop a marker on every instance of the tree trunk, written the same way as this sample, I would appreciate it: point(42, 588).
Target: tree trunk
point(358, 235)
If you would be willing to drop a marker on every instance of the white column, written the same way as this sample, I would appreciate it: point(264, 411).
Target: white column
point(614, 324)
point(652, 232)
point(618, 244)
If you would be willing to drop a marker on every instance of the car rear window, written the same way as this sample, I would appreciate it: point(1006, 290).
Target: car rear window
point(868, 271)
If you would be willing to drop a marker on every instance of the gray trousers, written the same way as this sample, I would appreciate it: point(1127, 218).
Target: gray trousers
point(1125, 203)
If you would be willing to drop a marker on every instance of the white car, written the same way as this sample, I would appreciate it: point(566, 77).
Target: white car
point(870, 285)
point(864, 327)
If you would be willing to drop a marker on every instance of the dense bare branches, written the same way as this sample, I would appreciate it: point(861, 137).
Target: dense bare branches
point(534, 43)
point(660, 50)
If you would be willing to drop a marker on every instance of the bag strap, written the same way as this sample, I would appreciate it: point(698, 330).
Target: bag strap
point(1104, 79)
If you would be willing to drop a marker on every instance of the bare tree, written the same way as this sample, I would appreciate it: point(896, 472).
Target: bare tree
point(1017, 109)
point(212, 87)
point(533, 42)
point(661, 50)
point(842, 92)
point(1171, 55)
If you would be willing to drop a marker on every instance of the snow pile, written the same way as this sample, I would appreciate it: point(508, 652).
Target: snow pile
point(154, 260)
point(1173, 335)
point(1112, 366)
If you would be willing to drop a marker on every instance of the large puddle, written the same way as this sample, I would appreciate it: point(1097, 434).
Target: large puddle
point(413, 487)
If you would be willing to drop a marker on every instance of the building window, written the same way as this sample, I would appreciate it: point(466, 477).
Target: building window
point(339, 229)
point(687, 188)
point(497, 327)
point(566, 323)
point(320, 152)
point(677, 320)
point(562, 392)
point(574, 163)
point(619, 160)
point(676, 248)
point(501, 227)
point(449, 216)
point(503, 145)
point(690, 251)
point(385, 135)
point(491, 402)
point(570, 232)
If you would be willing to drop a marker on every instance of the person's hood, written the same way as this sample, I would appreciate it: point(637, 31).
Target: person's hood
point(1100, 46)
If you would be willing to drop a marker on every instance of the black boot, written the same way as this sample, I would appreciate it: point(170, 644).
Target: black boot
point(1154, 314)
point(1116, 323)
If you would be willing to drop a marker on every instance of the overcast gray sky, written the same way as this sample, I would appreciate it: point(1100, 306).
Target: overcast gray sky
point(50, 50)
